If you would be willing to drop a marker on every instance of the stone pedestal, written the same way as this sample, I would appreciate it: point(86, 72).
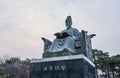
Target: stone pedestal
point(57, 54)
point(74, 66)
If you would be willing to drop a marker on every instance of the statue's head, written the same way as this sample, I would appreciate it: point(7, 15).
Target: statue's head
point(68, 22)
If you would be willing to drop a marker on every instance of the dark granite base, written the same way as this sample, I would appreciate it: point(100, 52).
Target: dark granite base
point(62, 67)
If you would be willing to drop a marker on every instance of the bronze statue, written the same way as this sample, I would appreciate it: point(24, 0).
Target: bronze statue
point(70, 40)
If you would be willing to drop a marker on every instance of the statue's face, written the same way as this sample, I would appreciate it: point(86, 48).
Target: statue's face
point(68, 23)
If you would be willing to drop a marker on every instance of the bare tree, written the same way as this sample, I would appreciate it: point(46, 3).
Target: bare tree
point(3, 59)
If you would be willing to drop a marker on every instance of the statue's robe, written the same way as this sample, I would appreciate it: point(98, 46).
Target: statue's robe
point(67, 43)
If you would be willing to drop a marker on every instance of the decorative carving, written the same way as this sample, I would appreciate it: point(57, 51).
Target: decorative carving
point(47, 44)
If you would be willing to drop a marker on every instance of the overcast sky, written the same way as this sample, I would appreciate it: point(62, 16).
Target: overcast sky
point(24, 22)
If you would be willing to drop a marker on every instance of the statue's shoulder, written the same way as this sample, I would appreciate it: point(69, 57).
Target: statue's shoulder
point(74, 29)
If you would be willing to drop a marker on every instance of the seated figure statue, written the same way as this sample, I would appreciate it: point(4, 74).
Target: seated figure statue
point(66, 40)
